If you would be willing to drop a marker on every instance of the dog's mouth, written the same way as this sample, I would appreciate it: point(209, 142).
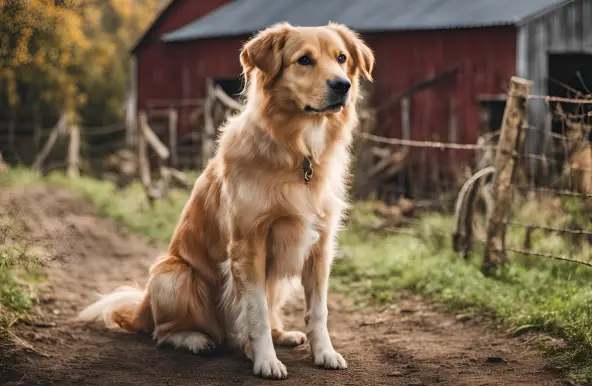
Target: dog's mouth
point(332, 108)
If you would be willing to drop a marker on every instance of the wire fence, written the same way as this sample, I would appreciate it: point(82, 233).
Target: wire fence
point(568, 163)
point(21, 142)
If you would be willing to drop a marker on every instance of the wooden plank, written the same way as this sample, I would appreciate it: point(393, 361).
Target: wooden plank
point(227, 100)
point(426, 83)
point(143, 162)
point(209, 128)
point(53, 137)
point(152, 138)
point(173, 125)
point(74, 152)
point(509, 144)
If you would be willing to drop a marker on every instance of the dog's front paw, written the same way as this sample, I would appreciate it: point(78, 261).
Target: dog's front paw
point(270, 368)
point(330, 360)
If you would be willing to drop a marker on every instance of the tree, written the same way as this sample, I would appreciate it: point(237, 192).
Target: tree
point(67, 55)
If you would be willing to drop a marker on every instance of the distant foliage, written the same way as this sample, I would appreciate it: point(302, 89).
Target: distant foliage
point(68, 54)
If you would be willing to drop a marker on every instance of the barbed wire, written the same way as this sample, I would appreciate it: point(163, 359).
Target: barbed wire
point(547, 255)
point(548, 98)
point(425, 144)
point(558, 192)
point(549, 228)
point(422, 235)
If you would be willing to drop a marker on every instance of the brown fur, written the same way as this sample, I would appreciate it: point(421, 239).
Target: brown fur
point(251, 220)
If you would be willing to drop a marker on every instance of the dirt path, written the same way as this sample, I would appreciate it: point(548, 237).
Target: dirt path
point(413, 346)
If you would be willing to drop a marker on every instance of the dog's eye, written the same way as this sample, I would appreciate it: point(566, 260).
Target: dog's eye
point(341, 58)
point(304, 60)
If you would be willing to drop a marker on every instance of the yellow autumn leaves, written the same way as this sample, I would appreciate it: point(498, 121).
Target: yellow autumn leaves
point(57, 52)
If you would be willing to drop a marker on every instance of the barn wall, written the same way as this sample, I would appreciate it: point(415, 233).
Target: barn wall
point(565, 30)
point(158, 63)
point(487, 57)
point(195, 63)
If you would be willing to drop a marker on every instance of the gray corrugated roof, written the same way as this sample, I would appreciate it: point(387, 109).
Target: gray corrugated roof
point(243, 17)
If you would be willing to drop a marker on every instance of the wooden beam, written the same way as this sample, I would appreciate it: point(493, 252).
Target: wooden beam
point(227, 100)
point(152, 138)
point(209, 128)
point(173, 125)
point(428, 82)
point(143, 162)
point(53, 137)
point(74, 152)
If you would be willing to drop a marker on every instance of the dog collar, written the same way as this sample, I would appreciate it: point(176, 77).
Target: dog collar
point(307, 168)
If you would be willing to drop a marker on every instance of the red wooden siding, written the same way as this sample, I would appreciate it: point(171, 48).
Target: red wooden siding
point(487, 57)
point(158, 64)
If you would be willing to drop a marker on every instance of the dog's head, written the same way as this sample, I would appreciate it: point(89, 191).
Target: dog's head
point(308, 70)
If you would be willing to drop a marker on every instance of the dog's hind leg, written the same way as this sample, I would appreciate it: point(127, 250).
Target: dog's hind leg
point(183, 307)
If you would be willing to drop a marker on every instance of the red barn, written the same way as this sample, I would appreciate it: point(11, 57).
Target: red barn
point(452, 58)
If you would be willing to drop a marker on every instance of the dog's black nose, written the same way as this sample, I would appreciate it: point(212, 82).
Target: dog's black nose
point(340, 85)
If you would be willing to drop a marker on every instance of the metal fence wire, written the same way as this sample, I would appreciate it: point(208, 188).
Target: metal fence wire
point(503, 174)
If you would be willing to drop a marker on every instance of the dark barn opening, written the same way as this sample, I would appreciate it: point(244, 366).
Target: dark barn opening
point(231, 85)
point(570, 76)
point(492, 115)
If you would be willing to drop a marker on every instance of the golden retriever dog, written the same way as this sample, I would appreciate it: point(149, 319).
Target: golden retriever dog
point(267, 208)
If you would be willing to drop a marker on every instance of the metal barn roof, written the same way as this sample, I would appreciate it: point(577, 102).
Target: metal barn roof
point(244, 17)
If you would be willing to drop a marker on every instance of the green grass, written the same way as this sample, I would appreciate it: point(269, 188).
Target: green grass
point(18, 270)
point(529, 294)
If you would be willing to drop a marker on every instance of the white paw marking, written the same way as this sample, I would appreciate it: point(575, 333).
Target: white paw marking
point(270, 368)
point(195, 342)
point(330, 360)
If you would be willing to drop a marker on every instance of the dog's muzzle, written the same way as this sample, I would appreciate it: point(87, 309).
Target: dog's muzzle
point(337, 95)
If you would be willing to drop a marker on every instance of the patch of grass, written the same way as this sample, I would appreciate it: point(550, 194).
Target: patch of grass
point(18, 268)
point(530, 293)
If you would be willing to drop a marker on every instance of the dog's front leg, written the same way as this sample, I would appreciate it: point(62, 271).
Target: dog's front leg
point(247, 264)
point(315, 280)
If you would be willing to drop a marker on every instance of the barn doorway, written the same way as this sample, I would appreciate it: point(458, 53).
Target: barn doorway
point(232, 86)
point(570, 76)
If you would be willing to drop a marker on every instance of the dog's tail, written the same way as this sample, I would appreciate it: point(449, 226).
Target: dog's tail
point(127, 307)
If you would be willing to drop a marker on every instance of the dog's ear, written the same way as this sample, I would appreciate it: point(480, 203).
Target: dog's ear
point(362, 54)
point(264, 52)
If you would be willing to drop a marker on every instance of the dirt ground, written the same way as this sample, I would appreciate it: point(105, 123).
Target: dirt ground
point(413, 344)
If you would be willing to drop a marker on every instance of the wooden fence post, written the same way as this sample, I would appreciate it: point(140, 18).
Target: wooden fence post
point(509, 145)
point(173, 122)
point(143, 162)
point(55, 133)
point(209, 132)
point(74, 151)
